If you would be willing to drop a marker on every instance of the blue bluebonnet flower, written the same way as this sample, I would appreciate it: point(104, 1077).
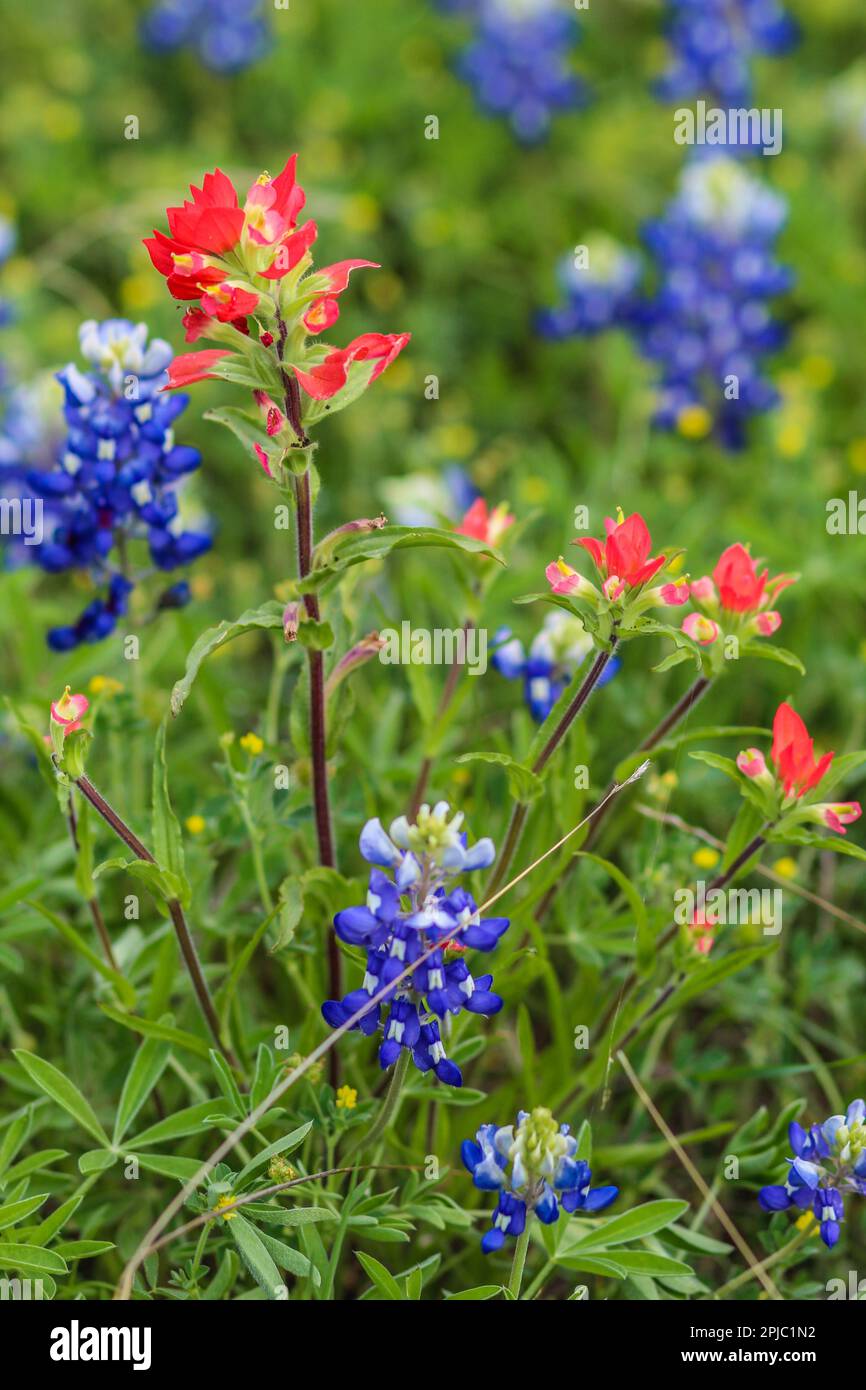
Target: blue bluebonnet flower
point(714, 42)
point(406, 913)
point(555, 654)
point(115, 481)
point(534, 1168)
point(518, 61)
point(708, 324)
point(597, 295)
point(229, 35)
point(829, 1163)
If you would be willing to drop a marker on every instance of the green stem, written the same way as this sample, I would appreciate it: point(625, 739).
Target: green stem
point(282, 657)
point(521, 811)
point(187, 945)
point(750, 1273)
point(516, 1277)
point(388, 1111)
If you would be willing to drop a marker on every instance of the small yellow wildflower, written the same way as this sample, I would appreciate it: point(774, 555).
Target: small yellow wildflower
point(347, 1098)
point(280, 1170)
point(786, 866)
point(817, 370)
point(804, 1222)
point(705, 858)
point(694, 422)
point(252, 744)
point(195, 824)
point(104, 685)
point(226, 1201)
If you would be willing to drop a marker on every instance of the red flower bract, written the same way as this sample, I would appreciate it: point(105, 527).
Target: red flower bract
point(193, 366)
point(741, 588)
point(624, 553)
point(794, 753)
point(329, 377)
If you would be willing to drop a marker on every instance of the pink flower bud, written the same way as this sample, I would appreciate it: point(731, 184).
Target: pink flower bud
point(291, 618)
point(838, 814)
point(704, 590)
point(69, 710)
point(768, 623)
point(563, 579)
point(675, 594)
point(276, 420)
point(700, 629)
point(752, 763)
point(266, 339)
point(613, 587)
point(263, 459)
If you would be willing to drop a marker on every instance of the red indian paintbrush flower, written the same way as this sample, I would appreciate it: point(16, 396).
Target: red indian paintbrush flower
point(236, 261)
point(797, 772)
point(623, 558)
point(485, 525)
point(793, 754)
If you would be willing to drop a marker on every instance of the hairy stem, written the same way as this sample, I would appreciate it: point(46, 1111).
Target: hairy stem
point(515, 1279)
point(93, 902)
point(521, 810)
point(187, 945)
point(321, 805)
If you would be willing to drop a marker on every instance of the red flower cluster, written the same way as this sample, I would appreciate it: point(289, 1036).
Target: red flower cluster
point(240, 261)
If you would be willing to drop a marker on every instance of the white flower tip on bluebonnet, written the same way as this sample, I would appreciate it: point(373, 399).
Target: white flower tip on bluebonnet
point(408, 872)
point(481, 855)
point(719, 193)
point(119, 348)
point(375, 845)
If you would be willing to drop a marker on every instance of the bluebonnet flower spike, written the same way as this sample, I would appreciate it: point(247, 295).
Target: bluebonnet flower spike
point(409, 910)
point(829, 1163)
point(533, 1167)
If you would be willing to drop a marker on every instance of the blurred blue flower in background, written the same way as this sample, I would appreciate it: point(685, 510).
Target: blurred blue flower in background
point(228, 35)
point(556, 653)
point(714, 42)
point(113, 480)
point(518, 62)
point(706, 323)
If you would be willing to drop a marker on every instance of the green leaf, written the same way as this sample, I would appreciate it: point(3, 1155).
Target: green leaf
point(316, 637)
point(96, 1160)
point(83, 1249)
point(169, 1165)
point(167, 839)
point(31, 1259)
point(382, 1278)
point(796, 835)
point(67, 1095)
point(151, 1028)
point(279, 1146)
point(287, 1258)
point(768, 651)
point(255, 1256)
point(226, 1082)
point(188, 1121)
point(268, 617)
point(632, 1225)
point(248, 428)
point(160, 882)
point(481, 1292)
point(361, 546)
point(290, 1216)
point(656, 1266)
point(147, 1067)
point(124, 989)
point(523, 784)
point(593, 1264)
point(43, 1159)
point(645, 937)
point(84, 857)
point(16, 1211)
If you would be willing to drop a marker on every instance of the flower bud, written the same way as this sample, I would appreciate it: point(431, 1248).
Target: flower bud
point(700, 629)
